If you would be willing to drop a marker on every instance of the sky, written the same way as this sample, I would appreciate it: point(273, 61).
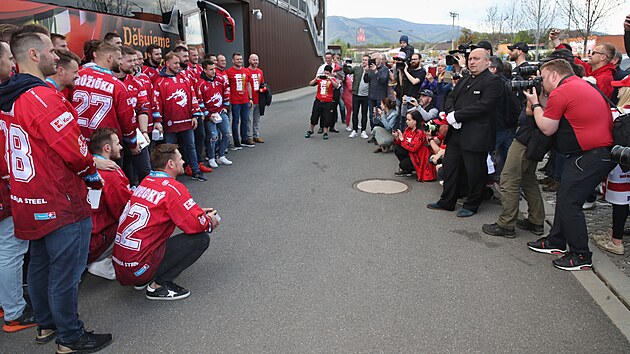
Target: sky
point(472, 13)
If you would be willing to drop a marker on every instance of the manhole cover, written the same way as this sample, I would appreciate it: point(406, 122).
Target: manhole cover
point(381, 186)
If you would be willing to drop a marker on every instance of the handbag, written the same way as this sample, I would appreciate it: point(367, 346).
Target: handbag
point(621, 124)
point(538, 145)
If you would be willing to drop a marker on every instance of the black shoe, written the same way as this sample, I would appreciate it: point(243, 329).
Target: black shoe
point(436, 206)
point(325, 136)
point(168, 291)
point(45, 335)
point(308, 134)
point(526, 225)
point(333, 130)
point(573, 261)
point(542, 245)
point(496, 230)
point(321, 130)
point(403, 174)
point(89, 342)
point(199, 177)
point(371, 140)
point(465, 213)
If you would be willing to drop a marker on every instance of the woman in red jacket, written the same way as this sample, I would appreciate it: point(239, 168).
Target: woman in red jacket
point(413, 151)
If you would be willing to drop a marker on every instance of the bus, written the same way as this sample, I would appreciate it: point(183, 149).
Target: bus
point(139, 23)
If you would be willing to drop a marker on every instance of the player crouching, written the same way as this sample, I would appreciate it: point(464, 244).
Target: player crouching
point(144, 252)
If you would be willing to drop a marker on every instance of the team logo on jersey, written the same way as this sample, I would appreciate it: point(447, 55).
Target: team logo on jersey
point(165, 182)
point(45, 216)
point(180, 97)
point(189, 204)
point(61, 121)
point(169, 123)
point(216, 100)
point(82, 145)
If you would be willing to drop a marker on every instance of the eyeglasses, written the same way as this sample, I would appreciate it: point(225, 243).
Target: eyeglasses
point(596, 52)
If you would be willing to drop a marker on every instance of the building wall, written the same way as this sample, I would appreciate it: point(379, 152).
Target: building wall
point(287, 55)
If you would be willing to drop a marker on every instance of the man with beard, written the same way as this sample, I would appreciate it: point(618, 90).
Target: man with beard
point(55, 167)
point(518, 54)
point(146, 82)
point(136, 166)
point(67, 72)
point(193, 63)
point(152, 64)
point(102, 101)
point(240, 100)
point(257, 79)
point(221, 65)
point(413, 76)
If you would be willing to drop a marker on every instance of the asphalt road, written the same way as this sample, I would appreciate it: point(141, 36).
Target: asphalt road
point(304, 263)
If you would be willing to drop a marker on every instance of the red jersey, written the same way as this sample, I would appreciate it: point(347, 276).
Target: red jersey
point(115, 195)
point(151, 71)
point(195, 69)
point(176, 102)
point(239, 81)
point(5, 193)
point(256, 78)
point(148, 85)
point(102, 101)
point(215, 94)
point(325, 90)
point(157, 206)
point(48, 159)
point(137, 94)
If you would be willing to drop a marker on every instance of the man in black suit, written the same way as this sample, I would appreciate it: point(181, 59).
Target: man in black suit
point(472, 108)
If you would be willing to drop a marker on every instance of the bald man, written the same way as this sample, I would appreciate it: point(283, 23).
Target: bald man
point(257, 79)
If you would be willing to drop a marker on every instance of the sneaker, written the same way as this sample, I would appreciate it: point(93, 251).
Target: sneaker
point(204, 169)
point(608, 245)
point(353, 134)
point(588, 205)
point(188, 171)
point(142, 286)
point(199, 177)
point(600, 237)
point(526, 225)
point(321, 130)
point(259, 140)
point(169, 291)
point(308, 134)
point(348, 128)
point(248, 143)
point(224, 161)
point(89, 342)
point(45, 335)
point(573, 261)
point(364, 135)
point(25, 321)
point(496, 230)
point(103, 268)
point(403, 174)
point(236, 148)
point(325, 136)
point(213, 163)
point(542, 245)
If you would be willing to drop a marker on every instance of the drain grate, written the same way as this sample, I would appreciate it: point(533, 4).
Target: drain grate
point(381, 186)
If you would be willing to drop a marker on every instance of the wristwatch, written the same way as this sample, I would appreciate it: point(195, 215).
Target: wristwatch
point(536, 105)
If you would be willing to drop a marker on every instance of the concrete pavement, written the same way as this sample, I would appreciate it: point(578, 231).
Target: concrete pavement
point(304, 263)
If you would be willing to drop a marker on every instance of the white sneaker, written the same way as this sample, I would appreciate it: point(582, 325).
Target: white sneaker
point(353, 134)
point(103, 269)
point(608, 245)
point(213, 163)
point(348, 128)
point(224, 161)
point(364, 135)
point(588, 205)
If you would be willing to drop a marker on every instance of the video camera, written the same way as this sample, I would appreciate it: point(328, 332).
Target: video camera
point(461, 49)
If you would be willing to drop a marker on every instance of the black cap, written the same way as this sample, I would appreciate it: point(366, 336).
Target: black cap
point(559, 54)
point(427, 92)
point(519, 45)
point(483, 44)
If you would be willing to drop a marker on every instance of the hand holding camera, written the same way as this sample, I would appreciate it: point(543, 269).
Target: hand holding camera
point(215, 219)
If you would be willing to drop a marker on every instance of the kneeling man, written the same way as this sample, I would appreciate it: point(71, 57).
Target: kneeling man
point(144, 251)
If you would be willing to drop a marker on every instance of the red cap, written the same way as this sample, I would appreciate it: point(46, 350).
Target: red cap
point(625, 82)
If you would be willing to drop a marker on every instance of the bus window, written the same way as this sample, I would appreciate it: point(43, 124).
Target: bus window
point(192, 29)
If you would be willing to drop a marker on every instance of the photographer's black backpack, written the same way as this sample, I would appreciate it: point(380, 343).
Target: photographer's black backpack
point(621, 124)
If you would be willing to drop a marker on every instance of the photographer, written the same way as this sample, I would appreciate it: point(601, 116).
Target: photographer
point(581, 121)
point(377, 76)
point(388, 116)
point(412, 151)
point(425, 106)
point(360, 90)
point(413, 76)
point(323, 104)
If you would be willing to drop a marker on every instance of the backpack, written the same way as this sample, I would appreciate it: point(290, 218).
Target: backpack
point(621, 124)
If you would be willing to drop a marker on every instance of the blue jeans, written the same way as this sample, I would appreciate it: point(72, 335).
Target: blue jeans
point(240, 113)
point(12, 252)
point(212, 136)
point(200, 139)
point(57, 262)
point(186, 141)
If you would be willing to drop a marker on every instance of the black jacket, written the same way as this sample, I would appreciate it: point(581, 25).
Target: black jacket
point(474, 101)
point(378, 82)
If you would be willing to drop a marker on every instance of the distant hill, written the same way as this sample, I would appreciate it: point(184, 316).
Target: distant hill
point(382, 30)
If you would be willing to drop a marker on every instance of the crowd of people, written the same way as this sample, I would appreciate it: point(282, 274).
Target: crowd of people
point(93, 145)
point(475, 121)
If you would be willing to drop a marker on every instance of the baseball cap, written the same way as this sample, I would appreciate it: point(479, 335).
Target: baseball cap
point(482, 44)
point(519, 45)
point(559, 54)
point(625, 82)
point(427, 92)
point(401, 55)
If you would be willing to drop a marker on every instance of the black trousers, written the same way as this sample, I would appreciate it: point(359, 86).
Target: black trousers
point(136, 166)
point(581, 174)
point(362, 102)
point(465, 174)
point(334, 114)
point(405, 163)
point(181, 252)
point(322, 112)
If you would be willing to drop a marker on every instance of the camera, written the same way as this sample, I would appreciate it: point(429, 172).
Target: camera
point(371, 61)
point(621, 155)
point(524, 85)
point(348, 61)
point(462, 49)
point(407, 99)
point(523, 71)
point(323, 77)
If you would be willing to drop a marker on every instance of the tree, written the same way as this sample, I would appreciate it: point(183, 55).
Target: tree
point(468, 36)
point(524, 36)
point(511, 13)
point(588, 14)
point(539, 16)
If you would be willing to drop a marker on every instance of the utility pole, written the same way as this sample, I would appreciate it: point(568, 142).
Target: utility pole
point(453, 14)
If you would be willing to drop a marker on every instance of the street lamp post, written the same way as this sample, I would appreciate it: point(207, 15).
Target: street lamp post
point(453, 14)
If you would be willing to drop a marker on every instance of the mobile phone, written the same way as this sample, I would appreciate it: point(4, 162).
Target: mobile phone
point(323, 77)
point(371, 61)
